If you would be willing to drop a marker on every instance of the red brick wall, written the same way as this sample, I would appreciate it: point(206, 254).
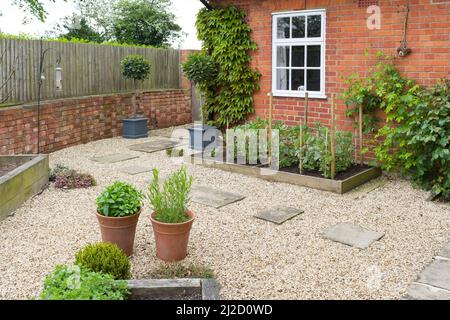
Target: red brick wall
point(347, 37)
point(69, 122)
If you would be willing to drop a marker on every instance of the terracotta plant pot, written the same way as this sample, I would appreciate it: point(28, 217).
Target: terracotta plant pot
point(119, 230)
point(171, 238)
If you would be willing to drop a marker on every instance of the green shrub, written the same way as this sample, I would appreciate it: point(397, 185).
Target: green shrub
point(119, 200)
point(135, 67)
point(416, 139)
point(170, 202)
point(200, 68)
point(106, 258)
point(178, 270)
point(78, 283)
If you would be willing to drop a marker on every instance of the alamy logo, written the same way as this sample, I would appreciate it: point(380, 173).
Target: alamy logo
point(374, 20)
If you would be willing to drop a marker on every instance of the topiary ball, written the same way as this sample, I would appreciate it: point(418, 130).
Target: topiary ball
point(104, 257)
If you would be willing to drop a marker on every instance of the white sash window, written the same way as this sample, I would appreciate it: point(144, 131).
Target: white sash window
point(298, 54)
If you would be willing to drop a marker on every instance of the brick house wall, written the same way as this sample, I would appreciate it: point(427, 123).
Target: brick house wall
point(68, 122)
point(347, 38)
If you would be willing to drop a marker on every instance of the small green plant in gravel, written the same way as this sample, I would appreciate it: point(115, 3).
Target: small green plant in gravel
point(79, 283)
point(179, 270)
point(106, 258)
point(119, 200)
point(169, 152)
point(170, 201)
point(57, 170)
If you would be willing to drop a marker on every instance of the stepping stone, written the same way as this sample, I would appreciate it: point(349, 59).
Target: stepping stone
point(279, 215)
point(419, 291)
point(445, 253)
point(154, 146)
point(213, 198)
point(113, 158)
point(437, 274)
point(352, 235)
point(134, 170)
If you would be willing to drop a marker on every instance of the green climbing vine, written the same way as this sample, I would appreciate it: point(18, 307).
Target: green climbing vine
point(228, 97)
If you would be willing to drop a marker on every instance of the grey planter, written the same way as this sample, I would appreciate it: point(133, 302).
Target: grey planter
point(199, 140)
point(135, 128)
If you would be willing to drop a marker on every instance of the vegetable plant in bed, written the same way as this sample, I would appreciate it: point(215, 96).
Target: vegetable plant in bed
point(118, 211)
point(171, 220)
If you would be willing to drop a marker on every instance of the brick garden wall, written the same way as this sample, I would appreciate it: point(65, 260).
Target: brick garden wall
point(347, 38)
point(69, 122)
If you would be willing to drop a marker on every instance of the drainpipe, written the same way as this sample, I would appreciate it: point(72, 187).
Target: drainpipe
point(206, 4)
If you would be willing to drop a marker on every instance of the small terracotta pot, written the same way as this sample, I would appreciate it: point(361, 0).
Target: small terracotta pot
point(172, 238)
point(119, 230)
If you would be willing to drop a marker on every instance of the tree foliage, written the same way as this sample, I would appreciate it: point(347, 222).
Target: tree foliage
point(35, 7)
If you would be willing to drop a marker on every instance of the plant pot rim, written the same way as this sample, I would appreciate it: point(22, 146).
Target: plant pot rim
point(119, 218)
point(189, 212)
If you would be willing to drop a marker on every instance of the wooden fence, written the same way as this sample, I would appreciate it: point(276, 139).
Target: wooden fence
point(87, 69)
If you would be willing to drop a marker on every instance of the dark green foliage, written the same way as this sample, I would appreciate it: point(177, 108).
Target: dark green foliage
point(79, 283)
point(226, 39)
point(106, 258)
point(145, 22)
point(200, 68)
point(136, 67)
point(170, 201)
point(76, 27)
point(119, 200)
point(35, 7)
point(416, 139)
point(178, 270)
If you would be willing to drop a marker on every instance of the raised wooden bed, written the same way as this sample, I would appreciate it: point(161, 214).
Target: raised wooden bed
point(174, 289)
point(336, 186)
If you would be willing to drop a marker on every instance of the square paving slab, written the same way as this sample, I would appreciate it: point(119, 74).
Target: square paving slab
point(134, 170)
point(212, 197)
point(113, 158)
point(352, 235)
point(155, 145)
point(279, 215)
point(437, 274)
point(419, 291)
point(445, 253)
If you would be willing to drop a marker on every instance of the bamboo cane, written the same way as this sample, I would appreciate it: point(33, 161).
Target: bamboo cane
point(269, 142)
point(301, 148)
point(361, 134)
point(306, 107)
point(333, 139)
point(326, 153)
point(355, 138)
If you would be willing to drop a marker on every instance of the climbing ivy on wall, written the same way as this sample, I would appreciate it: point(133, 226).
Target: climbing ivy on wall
point(228, 98)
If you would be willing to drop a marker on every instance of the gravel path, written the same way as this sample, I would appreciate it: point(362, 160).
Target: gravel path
point(253, 259)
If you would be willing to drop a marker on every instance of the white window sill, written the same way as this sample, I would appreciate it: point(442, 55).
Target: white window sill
point(311, 95)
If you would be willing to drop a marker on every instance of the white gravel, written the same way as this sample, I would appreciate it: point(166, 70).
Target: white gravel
point(253, 259)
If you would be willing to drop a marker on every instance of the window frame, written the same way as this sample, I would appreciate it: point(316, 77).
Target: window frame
point(299, 42)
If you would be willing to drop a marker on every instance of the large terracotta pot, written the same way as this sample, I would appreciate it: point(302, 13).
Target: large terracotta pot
point(172, 238)
point(119, 230)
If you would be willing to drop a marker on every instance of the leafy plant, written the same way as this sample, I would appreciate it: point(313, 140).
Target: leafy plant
point(416, 138)
point(71, 179)
point(229, 94)
point(179, 270)
point(200, 68)
point(119, 200)
point(136, 68)
point(169, 152)
point(170, 201)
point(106, 258)
point(79, 283)
point(57, 170)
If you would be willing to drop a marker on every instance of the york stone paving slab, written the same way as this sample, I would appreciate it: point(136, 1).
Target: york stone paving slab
point(279, 215)
point(155, 145)
point(352, 235)
point(213, 197)
point(113, 158)
point(134, 170)
point(419, 291)
point(437, 274)
point(445, 253)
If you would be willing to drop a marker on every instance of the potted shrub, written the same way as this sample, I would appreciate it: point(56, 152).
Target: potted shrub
point(201, 70)
point(171, 220)
point(118, 211)
point(136, 68)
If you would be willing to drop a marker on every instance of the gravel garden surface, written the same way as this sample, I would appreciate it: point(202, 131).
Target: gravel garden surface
point(253, 259)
